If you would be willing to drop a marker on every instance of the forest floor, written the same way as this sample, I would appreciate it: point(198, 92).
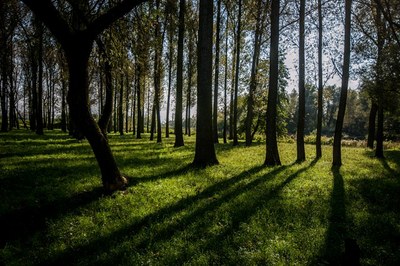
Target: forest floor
point(53, 210)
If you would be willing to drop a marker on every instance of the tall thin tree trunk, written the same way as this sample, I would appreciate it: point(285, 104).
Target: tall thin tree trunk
point(253, 77)
point(121, 107)
point(337, 153)
point(379, 131)
point(39, 108)
point(225, 83)
point(371, 125)
point(320, 83)
point(179, 79)
point(205, 151)
point(235, 103)
point(170, 61)
point(216, 75)
point(127, 96)
point(301, 156)
point(272, 155)
point(139, 102)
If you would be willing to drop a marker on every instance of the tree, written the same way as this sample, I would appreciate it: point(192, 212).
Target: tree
point(77, 41)
point(320, 84)
point(337, 155)
point(253, 77)
point(272, 155)
point(205, 151)
point(301, 156)
point(216, 75)
point(235, 100)
point(179, 77)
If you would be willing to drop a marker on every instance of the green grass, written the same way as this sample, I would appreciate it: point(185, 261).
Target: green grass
point(53, 210)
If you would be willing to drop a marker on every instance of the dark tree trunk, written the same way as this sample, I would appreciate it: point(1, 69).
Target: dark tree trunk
point(301, 156)
point(170, 61)
point(337, 155)
point(4, 111)
point(371, 125)
point(121, 107)
point(39, 103)
point(272, 155)
point(106, 112)
point(127, 94)
point(225, 83)
point(63, 106)
point(179, 79)
point(205, 152)
point(78, 100)
point(139, 102)
point(253, 77)
point(320, 83)
point(216, 75)
point(235, 103)
point(379, 132)
point(134, 103)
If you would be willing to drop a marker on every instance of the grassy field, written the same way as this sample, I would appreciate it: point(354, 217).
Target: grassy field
point(53, 210)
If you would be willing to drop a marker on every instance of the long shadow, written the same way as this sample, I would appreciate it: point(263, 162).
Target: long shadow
point(103, 244)
point(336, 232)
point(23, 223)
point(180, 224)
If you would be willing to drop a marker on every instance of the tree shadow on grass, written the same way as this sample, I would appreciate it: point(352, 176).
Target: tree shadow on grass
point(331, 253)
point(378, 225)
point(105, 243)
point(194, 209)
point(23, 223)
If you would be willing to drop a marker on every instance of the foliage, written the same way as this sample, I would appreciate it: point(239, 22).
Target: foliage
point(236, 213)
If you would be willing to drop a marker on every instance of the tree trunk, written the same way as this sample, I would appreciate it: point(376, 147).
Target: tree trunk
point(301, 156)
point(320, 83)
point(371, 125)
point(337, 155)
point(205, 152)
point(121, 107)
point(216, 75)
point(78, 100)
point(170, 60)
point(4, 111)
point(379, 132)
point(179, 79)
point(272, 155)
point(127, 96)
point(106, 113)
point(139, 102)
point(39, 103)
point(63, 107)
point(253, 77)
point(225, 83)
point(235, 103)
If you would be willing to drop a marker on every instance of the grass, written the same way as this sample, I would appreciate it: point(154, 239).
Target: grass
point(54, 212)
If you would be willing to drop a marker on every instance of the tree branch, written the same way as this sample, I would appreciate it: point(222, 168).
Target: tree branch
point(49, 15)
point(113, 14)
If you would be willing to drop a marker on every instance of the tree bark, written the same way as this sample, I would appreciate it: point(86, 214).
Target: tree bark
point(106, 113)
point(379, 132)
point(235, 103)
point(205, 152)
point(216, 75)
point(39, 103)
point(253, 77)
point(179, 79)
point(224, 134)
point(301, 156)
point(121, 107)
point(78, 100)
point(320, 83)
point(372, 125)
point(337, 155)
point(272, 155)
